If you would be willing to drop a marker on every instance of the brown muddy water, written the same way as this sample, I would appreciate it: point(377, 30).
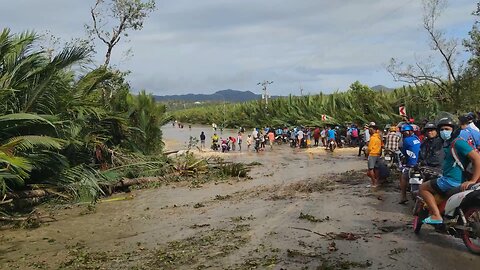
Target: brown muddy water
point(301, 209)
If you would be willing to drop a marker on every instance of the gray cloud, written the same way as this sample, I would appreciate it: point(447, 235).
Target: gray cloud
point(207, 45)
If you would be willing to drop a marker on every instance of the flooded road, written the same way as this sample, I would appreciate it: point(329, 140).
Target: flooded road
point(301, 209)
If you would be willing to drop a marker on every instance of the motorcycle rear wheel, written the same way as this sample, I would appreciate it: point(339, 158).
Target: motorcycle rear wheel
point(472, 239)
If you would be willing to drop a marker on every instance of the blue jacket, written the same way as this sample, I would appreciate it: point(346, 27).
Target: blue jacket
point(471, 136)
point(411, 150)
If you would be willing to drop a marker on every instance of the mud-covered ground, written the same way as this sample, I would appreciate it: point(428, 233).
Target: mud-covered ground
point(300, 210)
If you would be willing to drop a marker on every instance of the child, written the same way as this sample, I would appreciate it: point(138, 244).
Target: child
point(249, 142)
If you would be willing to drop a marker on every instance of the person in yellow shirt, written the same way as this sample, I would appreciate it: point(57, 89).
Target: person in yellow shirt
point(374, 152)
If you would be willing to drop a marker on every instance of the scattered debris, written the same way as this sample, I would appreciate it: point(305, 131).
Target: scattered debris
point(220, 197)
point(332, 247)
point(312, 218)
point(195, 226)
point(241, 218)
point(198, 205)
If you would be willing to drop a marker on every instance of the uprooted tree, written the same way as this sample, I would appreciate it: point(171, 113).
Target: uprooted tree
point(444, 75)
point(112, 20)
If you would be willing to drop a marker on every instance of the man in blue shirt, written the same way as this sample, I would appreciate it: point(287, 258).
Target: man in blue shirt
point(470, 135)
point(330, 136)
point(453, 172)
point(411, 150)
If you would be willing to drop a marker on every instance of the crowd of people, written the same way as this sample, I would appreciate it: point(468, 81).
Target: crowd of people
point(299, 137)
point(451, 148)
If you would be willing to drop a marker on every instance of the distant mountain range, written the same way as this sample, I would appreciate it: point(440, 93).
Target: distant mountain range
point(382, 88)
point(230, 95)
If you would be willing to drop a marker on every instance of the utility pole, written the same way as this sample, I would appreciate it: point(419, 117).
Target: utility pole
point(301, 91)
point(265, 92)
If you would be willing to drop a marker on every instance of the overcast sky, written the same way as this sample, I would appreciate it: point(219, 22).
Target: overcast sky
point(200, 46)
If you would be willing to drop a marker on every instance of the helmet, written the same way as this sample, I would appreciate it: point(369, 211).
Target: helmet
point(446, 121)
point(470, 116)
point(407, 127)
point(430, 125)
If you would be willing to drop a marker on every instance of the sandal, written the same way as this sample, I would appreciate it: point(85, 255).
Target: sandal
point(431, 221)
point(403, 201)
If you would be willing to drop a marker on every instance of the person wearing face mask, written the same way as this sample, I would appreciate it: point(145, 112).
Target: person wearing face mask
point(431, 149)
point(410, 150)
point(458, 153)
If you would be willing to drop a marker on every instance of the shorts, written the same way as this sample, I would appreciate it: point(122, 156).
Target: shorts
point(443, 184)
point(372, 162)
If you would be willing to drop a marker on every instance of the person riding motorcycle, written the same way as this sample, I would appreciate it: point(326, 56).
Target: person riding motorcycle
point(458, 153)
point(431, 149)
point(471, 121)
point(215, 139)
point(410, 150)
point(472, 136)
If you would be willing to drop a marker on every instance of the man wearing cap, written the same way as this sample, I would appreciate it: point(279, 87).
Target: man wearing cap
point(431, 149)
point(374, 152)
point(411, 151)
point(365, 140)
point(392, 140)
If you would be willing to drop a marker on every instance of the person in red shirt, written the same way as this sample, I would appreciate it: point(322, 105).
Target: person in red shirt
point(316, 135)
point(233, 141)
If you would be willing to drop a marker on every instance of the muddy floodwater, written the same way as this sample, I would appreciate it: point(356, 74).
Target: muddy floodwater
point(299, 209)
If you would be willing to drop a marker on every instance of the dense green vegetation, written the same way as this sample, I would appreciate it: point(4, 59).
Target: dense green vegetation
point(65, 129)
point(359, 104)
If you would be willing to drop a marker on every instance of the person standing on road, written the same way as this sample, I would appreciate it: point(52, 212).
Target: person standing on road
point(323, 135)
point(300, 138)
point(202, 140)
point(271, 138)
point(316, 135)
point(239, 141)
point(365, 140)
point(249, 142)
point(374, 152)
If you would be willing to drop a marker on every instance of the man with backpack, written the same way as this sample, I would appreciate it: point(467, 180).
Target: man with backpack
point(354, 135)
point(458, 155)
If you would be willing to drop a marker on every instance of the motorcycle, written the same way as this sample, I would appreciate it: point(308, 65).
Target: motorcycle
point(279, 139)
point(293, 142)
point(332, 145)
point(215, 146)
point(461, 217)
point(392, 159)
point(416, 176)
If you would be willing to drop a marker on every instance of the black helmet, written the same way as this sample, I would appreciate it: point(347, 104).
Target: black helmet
point(470, 116)
point(430, 125)
point(446, 121)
